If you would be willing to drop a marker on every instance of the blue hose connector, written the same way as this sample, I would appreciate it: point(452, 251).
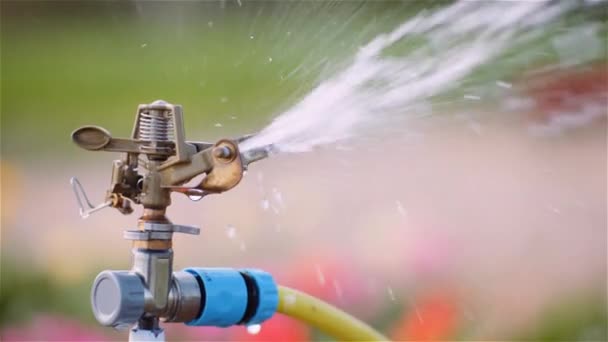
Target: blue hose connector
point(268, 295)
point(223, 296)
point(230, 296)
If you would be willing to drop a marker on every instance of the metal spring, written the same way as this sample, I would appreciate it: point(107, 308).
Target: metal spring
point(156, 127)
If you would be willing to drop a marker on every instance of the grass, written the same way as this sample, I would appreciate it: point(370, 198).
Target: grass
point(72, 64)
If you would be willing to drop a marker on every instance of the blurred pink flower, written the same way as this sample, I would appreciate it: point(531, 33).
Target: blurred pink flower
point(429, 255)
point(182, 332)
point(278, 328)
point(332, 278)
point(51, 328)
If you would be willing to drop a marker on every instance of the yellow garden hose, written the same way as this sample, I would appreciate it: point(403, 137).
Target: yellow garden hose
point(327, 318)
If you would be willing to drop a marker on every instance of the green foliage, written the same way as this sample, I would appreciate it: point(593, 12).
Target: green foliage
point(575, 319)
point(67, 64)
point(22, 292)
point(25, 291)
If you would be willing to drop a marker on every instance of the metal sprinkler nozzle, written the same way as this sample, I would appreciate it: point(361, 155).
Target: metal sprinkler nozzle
point(156, 161)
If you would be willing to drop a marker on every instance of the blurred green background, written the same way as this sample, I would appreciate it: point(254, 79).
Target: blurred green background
point(234, 66)
point(84, 62)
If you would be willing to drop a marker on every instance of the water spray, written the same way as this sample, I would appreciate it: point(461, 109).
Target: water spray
point(157, 161)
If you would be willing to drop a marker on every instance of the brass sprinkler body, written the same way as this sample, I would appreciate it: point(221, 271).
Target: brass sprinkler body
point(156, 161)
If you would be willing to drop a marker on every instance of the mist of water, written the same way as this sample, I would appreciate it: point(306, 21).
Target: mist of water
point(442, 47)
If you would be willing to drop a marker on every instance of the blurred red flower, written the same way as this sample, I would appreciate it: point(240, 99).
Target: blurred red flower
point(52, 328)
point(278, 328)
point(334, 279)
point(433, 317)
point(568, 97)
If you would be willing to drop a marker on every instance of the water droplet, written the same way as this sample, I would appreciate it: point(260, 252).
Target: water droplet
point(195, 198)
point(254, 329)
point(250, 37)
point(504, 84)
point(420, 319)
point(278, 197)
point(233, 117)
point(472, 97)
point(401, 209)
point(231, 231)
point(338, 288)
point(391, 294)
point(210, 23)
point(217, 124)
point(269, 59)
point(144, 45)
point(320, 275)
point(265, 204)
point(290, 299)
point(224, 99)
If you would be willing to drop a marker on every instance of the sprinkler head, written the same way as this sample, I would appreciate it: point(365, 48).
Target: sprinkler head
point(157, 160)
